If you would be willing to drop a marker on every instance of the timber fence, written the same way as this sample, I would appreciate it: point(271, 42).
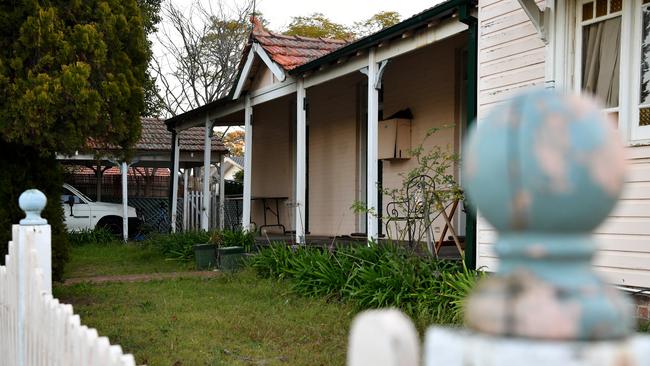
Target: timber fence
point(35, 328)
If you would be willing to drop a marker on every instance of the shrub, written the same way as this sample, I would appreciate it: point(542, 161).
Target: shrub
point(375, 276)
point(22, 168)
point(97, 236)
point(234, 238)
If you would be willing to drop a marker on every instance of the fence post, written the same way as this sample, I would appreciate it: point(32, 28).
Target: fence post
point(33, 233)
point(545, 170)
point(383, 338)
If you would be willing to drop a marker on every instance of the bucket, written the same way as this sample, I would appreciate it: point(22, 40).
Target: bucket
point(230, 258)
point(205, 256)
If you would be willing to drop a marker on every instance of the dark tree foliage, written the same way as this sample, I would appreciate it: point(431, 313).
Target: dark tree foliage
point(30, 169)
point(150, 10)
point(70, 71)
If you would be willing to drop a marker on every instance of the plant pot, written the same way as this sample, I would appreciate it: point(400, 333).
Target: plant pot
point(230, 258)
point(205, 256)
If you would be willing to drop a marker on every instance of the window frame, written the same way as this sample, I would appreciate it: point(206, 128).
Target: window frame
point(629, 77)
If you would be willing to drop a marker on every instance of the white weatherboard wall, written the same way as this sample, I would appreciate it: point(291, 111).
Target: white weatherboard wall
point(511, 58)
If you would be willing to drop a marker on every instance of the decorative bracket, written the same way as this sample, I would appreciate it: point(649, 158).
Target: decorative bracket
point(380, 73)
point(539, 18)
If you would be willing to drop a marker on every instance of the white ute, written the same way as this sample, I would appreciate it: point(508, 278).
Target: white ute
point(81, 213)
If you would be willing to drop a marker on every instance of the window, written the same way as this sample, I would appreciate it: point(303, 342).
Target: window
point(644, 71)
point(600, 26)
point(613, 61)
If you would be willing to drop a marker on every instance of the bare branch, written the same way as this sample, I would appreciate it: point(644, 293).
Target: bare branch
point(200, 52)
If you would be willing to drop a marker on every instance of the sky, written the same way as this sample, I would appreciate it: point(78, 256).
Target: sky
point(279, 12)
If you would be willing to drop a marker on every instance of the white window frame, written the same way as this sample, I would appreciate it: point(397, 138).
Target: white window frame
point(637, 133)
point(630, 54)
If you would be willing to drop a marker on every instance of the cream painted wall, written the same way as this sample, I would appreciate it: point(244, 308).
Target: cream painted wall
point(332, 120)
point(272, 172)
point(263, 78)
point(426, 82)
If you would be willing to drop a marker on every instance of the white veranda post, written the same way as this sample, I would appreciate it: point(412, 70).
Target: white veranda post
point(207, 154)
point(301, 161)
point(175, 182)
point(124, 169)
point(222, 191)
point(186, 174)
point(248, 160)
point(373, 135)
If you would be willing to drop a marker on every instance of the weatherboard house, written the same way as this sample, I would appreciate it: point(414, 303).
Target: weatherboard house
point(312, 110)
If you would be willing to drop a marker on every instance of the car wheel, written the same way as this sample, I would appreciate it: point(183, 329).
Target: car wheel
point(112, 224)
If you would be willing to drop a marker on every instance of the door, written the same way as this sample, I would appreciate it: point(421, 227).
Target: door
point(76, 211)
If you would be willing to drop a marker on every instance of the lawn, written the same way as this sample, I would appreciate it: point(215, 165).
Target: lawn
point(119, 259)
point(236, 319)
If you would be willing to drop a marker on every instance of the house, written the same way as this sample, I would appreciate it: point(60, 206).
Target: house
point(232, 166)
point(102, 174)
point(580, 46)
point(306, 104)
point(148, 175)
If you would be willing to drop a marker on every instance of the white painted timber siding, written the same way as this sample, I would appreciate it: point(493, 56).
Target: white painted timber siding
point(511, 54)
point(511, 57)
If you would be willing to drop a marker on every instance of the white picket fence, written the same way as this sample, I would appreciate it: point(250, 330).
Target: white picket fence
point(193, 206)
point(35, 329)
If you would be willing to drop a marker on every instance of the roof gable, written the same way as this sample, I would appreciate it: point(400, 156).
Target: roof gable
point(292, 51)
point(280, 53)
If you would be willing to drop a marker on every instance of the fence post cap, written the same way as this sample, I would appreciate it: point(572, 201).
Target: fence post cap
point(545, 169)
point(32, 202)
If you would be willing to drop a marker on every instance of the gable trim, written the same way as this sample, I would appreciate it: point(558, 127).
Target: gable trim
point(275, 69)
point(256, 49)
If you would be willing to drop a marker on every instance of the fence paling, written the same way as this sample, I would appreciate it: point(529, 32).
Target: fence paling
point(35, 328)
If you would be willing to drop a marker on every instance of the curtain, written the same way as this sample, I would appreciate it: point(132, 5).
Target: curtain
point(600, 60)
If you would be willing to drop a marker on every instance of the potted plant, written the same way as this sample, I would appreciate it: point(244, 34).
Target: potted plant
point(232, 246)
point(205, 254)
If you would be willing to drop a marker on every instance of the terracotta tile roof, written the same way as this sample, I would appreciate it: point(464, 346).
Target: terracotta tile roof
point(292, 51)
point(155, 136)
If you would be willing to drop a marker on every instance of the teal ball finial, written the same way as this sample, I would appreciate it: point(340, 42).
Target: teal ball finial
point(544, 161)
point(32, 202)
point(545, 169)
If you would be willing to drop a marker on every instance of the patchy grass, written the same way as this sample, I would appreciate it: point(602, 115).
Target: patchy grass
point(119, 259)
point(234, 319)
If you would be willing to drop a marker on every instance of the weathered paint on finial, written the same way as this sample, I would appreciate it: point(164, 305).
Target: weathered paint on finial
point(32, 202)
point(545, 170)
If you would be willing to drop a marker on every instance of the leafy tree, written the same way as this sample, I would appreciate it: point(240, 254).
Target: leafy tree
point(375, 23)
point(70, 71)
point(234, 141)
point(150, 11)
point(239, 176)
point(317, 25)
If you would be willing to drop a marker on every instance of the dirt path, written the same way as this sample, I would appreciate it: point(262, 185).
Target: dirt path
point(140, 277)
